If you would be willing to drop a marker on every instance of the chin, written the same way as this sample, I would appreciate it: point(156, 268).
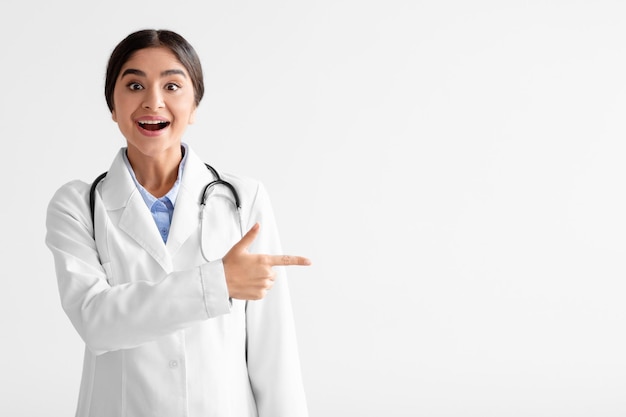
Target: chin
point(154, 146)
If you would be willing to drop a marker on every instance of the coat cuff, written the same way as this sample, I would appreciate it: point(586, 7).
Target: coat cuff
point(213, 278)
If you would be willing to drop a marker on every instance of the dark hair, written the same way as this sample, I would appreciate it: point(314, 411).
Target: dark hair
point(150, 38)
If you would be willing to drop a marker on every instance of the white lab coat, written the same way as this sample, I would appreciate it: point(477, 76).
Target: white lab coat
point(161, 336)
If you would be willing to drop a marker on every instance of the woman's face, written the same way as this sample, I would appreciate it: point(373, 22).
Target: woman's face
point(153, 102)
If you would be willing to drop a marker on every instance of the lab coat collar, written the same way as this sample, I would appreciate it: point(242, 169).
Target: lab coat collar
point(187, 209)
point(120, 193)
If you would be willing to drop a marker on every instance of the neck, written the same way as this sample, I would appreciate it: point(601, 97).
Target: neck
point(156, 173)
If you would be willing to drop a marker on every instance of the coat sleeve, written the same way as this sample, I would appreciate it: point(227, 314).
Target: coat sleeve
point(273, 360)
point(116, 317)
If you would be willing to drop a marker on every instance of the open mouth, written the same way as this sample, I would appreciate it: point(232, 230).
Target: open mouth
point(153, 125)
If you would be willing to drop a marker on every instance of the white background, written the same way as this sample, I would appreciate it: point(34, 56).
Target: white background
point(455, 170)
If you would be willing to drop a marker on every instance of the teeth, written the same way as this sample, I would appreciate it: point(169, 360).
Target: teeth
point(151, 122)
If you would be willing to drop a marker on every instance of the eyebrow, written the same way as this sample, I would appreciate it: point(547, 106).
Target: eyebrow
point(163, 74)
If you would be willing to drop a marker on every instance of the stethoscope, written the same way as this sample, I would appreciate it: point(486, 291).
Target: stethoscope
point(203, 200)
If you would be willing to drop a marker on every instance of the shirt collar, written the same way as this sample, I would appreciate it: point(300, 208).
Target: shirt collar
point(172, 193)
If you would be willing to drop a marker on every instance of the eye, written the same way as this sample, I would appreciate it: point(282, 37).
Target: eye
point(135, 86)
point(172, 86)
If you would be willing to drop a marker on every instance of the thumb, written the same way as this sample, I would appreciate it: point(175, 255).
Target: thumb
point(247, 239)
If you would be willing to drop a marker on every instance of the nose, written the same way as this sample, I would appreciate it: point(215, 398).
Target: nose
point(153, 99)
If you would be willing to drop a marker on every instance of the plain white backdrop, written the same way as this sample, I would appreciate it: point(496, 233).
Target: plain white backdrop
point(454, 169)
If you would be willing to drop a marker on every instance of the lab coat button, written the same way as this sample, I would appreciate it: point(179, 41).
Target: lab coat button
point(173, 364)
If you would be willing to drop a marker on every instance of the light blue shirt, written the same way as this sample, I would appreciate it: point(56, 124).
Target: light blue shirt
point(162, 209)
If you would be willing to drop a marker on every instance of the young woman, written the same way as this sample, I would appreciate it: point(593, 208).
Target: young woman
point(180, 296)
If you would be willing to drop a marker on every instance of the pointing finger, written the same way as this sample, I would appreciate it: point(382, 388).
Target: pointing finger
point(289, 260)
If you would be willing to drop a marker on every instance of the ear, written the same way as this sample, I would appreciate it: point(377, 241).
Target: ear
point(113, 116)
point(192, 116)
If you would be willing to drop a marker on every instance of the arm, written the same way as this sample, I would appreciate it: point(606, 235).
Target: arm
point(124, 316)
point(273, 362)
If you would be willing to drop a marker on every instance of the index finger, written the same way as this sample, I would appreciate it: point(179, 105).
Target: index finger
point(288, 260)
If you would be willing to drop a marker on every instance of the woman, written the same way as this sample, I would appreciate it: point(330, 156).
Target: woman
point(177, 319)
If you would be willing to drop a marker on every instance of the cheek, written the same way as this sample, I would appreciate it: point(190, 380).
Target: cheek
point(122, 110)
point(183, 111)
point(122, 102)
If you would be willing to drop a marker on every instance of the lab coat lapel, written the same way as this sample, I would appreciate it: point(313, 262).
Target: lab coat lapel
point(138, 223)
point(184, 222)
point(187, 209)
point(119, 192)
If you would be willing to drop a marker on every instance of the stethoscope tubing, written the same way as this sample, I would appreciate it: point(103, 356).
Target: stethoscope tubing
point(217, 181)
point(203, 199)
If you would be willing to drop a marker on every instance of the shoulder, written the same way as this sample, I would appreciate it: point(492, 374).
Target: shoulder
point(72, 192)
point(246, 184)
point(74, 195)
point(71, 199)
point(250, 189)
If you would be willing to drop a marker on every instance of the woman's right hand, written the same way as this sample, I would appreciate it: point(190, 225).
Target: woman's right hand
point(249, 276)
